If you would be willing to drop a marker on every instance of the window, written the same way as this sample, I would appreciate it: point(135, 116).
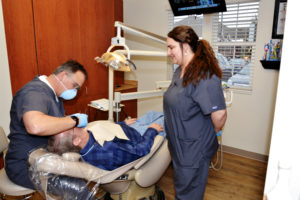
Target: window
point(234, 38)
point(194, 21)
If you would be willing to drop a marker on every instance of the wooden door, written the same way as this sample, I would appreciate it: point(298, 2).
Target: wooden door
point(43, 34)
point(79, 30)
point(20, 41)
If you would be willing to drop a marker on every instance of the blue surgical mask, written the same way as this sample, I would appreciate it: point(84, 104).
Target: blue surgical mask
point(68, 94)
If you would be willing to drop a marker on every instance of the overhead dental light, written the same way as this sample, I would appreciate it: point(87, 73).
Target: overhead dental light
point(116, 60)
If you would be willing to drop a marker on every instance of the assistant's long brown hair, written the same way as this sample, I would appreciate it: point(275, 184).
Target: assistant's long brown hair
point(204, 62)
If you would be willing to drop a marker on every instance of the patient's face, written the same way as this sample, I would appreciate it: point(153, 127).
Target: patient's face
point(62, 142)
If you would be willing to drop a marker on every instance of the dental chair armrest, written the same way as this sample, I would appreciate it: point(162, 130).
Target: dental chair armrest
point(152, 171)
point(158, 140)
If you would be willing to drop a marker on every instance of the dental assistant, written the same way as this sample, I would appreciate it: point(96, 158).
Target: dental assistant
point(194, 110)
point(37, 112)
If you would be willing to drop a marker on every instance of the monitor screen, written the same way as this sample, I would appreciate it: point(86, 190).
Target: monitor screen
point(196, 7)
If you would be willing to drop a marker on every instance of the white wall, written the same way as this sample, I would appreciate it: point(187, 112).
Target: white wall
point(285, 135)
point(250, 117)
point(150, 16)
point(5, 86)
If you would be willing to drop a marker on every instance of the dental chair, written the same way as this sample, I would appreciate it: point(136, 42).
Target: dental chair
point(8, 188)
point(133, 181)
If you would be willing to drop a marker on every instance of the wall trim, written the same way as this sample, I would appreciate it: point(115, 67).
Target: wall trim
point(244, 153)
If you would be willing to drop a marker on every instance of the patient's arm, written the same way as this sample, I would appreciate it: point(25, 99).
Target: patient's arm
point(130, 121)
point(143, 145)
point(156, 126)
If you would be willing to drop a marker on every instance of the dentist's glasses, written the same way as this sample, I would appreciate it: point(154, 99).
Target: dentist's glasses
point(75, 84)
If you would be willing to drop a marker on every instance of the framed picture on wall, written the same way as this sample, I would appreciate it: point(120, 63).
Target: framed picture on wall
point(279, 19)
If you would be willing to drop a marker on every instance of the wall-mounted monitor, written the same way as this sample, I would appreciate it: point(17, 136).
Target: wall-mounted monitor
point(197, 7)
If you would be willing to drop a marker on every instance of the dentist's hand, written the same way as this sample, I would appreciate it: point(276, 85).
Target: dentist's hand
point(83, 119)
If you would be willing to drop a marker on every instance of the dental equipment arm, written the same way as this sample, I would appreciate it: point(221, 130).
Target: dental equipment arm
point(134, 95)
point(120, 41)
point(161, 86)
point(139, 32)
point(144, 53)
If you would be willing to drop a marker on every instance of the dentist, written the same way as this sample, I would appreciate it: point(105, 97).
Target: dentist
point(37, 112)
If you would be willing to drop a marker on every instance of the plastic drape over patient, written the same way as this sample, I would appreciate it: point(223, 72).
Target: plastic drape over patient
point(126, 146)
point(53, 186)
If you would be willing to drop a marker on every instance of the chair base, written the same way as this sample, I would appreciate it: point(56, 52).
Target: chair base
point(136, 192)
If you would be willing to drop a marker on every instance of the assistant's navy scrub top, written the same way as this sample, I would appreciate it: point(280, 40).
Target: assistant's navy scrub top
point(188, 123)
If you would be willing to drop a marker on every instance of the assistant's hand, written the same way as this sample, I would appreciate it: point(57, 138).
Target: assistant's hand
point(156, 126)
point(83, 119)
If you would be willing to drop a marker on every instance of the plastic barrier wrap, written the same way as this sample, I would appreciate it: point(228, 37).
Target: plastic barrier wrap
point(43, 166)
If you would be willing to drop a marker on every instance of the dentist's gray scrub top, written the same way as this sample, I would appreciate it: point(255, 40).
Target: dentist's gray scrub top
point(188, 123)
point(34, 96)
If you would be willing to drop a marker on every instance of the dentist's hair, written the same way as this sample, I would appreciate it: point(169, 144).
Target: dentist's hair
point(71, 66)
point(204, 63)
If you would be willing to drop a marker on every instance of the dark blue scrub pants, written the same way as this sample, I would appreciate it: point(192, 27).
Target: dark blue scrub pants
point(190, 183)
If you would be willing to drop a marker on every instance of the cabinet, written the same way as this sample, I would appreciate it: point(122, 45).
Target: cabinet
point(41, 35)
point(1, 161)
point(130, 106)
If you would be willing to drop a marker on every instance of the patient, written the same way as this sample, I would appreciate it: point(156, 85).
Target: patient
point(110, 155)
point(137, 142)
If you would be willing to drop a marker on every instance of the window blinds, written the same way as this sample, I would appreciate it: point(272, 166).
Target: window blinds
point(234, 37)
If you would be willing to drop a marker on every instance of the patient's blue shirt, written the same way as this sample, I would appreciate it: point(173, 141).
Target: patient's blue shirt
point(118, 152)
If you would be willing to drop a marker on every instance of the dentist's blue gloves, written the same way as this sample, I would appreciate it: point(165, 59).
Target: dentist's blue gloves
point(83, 119)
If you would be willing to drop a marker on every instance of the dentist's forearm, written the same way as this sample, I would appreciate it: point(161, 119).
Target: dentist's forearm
point(38, 123)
